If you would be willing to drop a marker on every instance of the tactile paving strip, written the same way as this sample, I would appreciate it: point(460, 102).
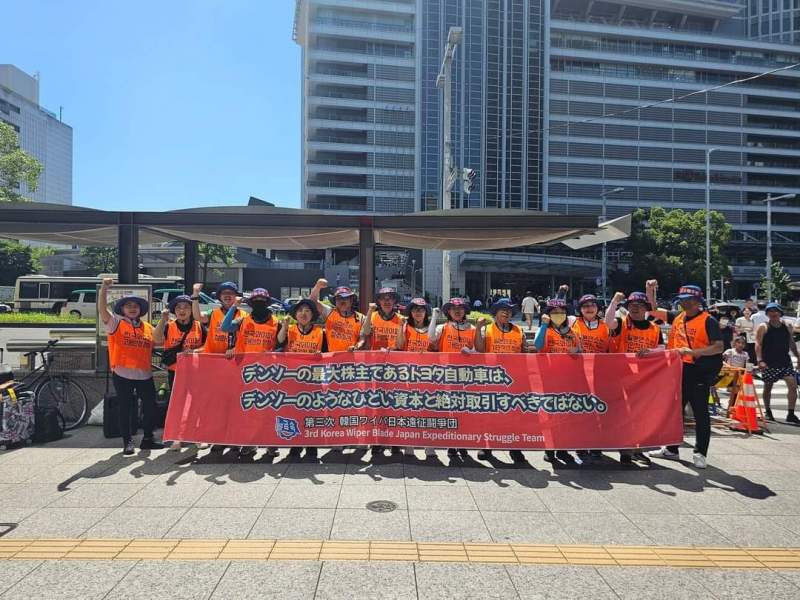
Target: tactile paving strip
point(224, 549)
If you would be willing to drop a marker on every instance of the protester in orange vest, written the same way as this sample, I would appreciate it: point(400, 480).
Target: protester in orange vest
point(593, 333)
point(633, 334)
point(557, 337)
point(698, 338)
point(130, 350)
point(500, 337)
point(382, 323)
point(342, 322)
point(304, 337)
point(181, 335)
point(455, 335)
point(216, 340)
point(413, 337)
point(254, 332)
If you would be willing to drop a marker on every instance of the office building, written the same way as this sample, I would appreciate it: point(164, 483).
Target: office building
point(40, 133)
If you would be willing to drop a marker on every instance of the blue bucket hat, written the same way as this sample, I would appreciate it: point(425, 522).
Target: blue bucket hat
point(174, 302)
point(503, 304)
point(144, 306)
point(227, 285)
point(773, 306)
point(305, 302)
point(690, 291)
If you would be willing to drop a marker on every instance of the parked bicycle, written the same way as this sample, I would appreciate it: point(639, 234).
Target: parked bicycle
point(54, 387)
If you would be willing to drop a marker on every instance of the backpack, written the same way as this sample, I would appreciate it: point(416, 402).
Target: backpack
point(48, 425)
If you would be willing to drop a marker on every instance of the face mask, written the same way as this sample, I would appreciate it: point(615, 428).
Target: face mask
point(558, 319)
point(260, 311)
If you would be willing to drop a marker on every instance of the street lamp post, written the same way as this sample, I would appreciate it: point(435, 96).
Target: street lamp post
point(708, 221)
point(604, 260)
point(444, 81)
point(768, 201)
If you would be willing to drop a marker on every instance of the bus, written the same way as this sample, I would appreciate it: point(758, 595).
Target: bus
point(45, 293)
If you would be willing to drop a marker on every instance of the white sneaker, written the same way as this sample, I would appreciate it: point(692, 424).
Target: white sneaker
point(664, 453)
point(699, 461)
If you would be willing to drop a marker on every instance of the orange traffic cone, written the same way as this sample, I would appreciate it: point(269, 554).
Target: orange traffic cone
point(744, 411)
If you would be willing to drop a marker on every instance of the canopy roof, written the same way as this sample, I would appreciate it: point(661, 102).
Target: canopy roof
point(291, 229)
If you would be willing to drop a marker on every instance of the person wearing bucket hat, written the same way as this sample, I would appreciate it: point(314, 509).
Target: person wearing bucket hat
point(413, 336)
point(592, 331)
point(456, 334)
point(217, 340)
point(555, 336)
point(304, 337)
point(130, 350)
point(183, 334)
point(382, 323)
point(500, 337)
point(342, 322)
point(253, 332)
point(774, 342)
point(696, 335)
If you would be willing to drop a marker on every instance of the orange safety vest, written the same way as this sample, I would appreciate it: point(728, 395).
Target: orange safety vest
point(555, 343)
point(193, 340)
point(689, 334)
point(593, 341)
point(217, 340)
point(632, 339)
point(384, 333)
point(307, 343)
point(342, 332)
point(257, 337)
point(131, 347)
point(416, 341)
point(453, 340)
point(501, 342)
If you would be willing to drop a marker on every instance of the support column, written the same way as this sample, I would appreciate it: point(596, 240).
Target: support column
point(190, 260)
point(128, 247)
point(366, 264)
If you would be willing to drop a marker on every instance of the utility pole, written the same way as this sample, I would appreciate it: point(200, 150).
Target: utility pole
point(768, 201)
point(708, 222)
point(444, 81)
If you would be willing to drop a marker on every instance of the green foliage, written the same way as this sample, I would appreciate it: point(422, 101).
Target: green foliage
point(209, 254)
point(16, 166)
point(15, 260)
point(42, 317)
point(100, 259)
point(669, 245)
point(780, 284)
point(38, 253)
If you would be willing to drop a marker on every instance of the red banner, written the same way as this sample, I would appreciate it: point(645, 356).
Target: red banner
point(555, 401)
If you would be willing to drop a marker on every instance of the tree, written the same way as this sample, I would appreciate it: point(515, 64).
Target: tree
point(209, 254)
point(780, 283)
point(16, 166)
point(669, 245)
point(100, 259)
point(15, 260)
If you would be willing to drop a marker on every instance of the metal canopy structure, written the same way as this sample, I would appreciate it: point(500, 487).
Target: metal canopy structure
point(294, 229)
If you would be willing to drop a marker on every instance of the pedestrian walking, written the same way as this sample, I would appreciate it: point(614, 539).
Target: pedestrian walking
point(530, 308)
point(774, 343)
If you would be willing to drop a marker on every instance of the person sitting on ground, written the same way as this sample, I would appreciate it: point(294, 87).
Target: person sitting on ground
point(774, 342)
point(130, 351)
point(181, 335)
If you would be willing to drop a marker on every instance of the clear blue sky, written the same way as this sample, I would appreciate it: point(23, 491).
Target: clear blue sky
point(174, 103)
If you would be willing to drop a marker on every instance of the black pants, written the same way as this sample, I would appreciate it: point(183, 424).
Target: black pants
point(751, 352)
point(695, 389)
point(127, 392)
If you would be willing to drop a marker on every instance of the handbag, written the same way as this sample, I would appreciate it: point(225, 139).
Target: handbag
point(169, 356)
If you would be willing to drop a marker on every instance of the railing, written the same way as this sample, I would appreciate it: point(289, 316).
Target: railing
point(370, 51)
point(339, 140)
point(337, 162)
point(353, 24)
point(343, 95)
point(342, 117)
point(355, 185)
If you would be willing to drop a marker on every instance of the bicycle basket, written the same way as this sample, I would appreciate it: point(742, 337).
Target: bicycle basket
point(68, 362)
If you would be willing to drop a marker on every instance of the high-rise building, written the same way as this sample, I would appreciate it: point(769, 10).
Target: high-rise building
point(557, 102)
point(40, 133)
point(359, 104)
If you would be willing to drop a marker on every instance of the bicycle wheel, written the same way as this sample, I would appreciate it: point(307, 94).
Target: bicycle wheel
point(67, 397)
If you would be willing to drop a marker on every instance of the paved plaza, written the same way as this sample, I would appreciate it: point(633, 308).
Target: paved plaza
point(94, 524)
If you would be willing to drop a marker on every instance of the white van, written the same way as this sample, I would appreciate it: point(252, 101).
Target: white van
point(81, 303)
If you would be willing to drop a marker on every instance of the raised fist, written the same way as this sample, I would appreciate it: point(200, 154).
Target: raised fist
point(197, 288)
point(322, 283)
point(108, 282)
point(618, 297)
point(652, 284)
point(481, 322)
point(373, 307)
point(165, 313)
